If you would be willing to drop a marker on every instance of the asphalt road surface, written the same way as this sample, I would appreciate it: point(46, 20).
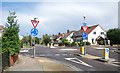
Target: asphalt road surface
point(67, 56)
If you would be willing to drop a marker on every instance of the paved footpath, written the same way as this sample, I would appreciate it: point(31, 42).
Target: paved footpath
point(38, 64)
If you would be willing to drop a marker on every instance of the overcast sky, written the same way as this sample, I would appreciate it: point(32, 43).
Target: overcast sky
point(60, 16)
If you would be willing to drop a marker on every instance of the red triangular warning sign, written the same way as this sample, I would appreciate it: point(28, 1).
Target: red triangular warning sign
point(84, 28)
point(34, 23)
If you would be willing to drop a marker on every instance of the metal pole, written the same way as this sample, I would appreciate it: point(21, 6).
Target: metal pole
point(34, 49)
point(85, 47)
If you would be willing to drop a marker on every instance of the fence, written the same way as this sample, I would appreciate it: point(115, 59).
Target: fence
point(5, 60)
point(0, 62)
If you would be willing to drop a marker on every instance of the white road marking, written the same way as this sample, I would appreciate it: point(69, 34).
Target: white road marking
point(42, 55)
point(100, 48)
point(78, 61)
point(52, 47)
point(64, 54)
point(57, 54)
point(23, 50)
point(48, 54)
point(68, 49)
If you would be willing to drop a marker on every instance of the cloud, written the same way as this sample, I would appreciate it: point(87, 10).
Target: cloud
point(60, 0)
point(70, 13)
point(59, 16)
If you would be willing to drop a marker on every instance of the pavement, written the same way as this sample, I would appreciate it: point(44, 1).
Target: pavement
point(38, 64)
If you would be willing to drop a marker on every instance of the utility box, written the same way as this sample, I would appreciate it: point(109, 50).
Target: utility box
point(82, 50)
point(105, 53)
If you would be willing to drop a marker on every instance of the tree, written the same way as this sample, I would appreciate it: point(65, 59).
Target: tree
point(30, 40)
point(46, 39)
point(37, 40)
point(25, 40)
point(10, 37)
point(114, 36)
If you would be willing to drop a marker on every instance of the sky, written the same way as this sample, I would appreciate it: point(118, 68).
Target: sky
point(61, 16)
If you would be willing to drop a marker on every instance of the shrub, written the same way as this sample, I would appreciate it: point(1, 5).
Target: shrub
point(73, 44)
point(88, 43)
point(67, 43)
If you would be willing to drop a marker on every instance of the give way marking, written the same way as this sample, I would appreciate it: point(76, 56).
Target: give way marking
point(76, 60)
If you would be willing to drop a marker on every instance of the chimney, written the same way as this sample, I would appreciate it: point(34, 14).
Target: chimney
point(68, 31)
point(53, 35)
point(59, 33)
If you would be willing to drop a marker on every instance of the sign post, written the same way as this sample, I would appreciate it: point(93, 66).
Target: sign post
point(84, 34)
point(34, 32)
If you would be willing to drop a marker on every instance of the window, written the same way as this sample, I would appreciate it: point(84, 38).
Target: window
point(94, 32)
point(102, 32)
point(92, 40)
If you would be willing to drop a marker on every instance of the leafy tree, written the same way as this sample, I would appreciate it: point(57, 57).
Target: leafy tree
point(46, 39)
point(64, 40)
point(37, 40)
point(30, 40)
point(25, 40)
point(0, 45)
point(114, 36)
point(10, 37)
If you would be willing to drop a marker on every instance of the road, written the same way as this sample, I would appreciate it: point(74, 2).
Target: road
point(67, 56)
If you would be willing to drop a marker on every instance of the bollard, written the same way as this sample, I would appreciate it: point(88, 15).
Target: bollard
point(106, 53)
point(82, 50)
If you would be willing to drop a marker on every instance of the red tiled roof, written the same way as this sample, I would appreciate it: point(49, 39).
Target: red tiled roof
point(76, 32)
point(89, 29)
point(63, 35)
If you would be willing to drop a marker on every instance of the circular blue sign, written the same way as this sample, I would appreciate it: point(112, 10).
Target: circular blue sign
point(34, 32)
point(107, 49)
point(84, 24)
point(84, 35)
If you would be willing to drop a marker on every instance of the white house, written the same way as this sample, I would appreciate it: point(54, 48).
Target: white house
point(69, 36)
point(20, 37)
point(1, 30)
point(96, 35)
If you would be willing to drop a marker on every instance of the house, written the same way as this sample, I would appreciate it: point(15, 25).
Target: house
point(1, 30)
point(20, 37)
point(58, 38)
point(96, 35)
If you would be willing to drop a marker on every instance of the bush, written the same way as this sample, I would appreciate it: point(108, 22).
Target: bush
point(88, 43)
point(82, 43)
point(73, 44)
point(67, 43)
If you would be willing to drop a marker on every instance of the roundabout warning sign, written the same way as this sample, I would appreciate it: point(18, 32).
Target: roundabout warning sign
point(34, 31)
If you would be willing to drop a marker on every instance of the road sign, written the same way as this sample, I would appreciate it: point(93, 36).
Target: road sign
point(84, 24)
point(34, 23)
point(34, 32)
point(84, 36)
point(84, 28)
point(107, 49)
